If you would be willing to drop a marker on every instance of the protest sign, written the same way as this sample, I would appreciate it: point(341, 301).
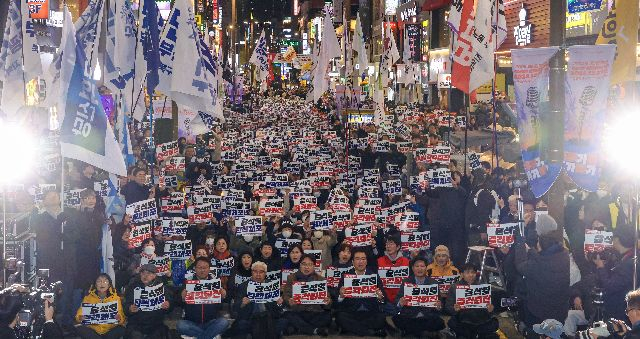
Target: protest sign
point(161, 264)
point(142, 210)
point(170, 181)
point(415, 241)
point(271, 207)
point(320, 220)
point(149, 298)
point(285, 275)
point(263, 192)
point(199, 213)
point(392, 187)
point(277, 181)
point(445, 282)
point(236, 209)
point(341, 219)
point(439, 155)
point(203, 292)
point(178, 249)
point(138, 234)
point(360, 286)
point(334, 274)
point(214, 200)
point(72, 198)
point(364, 214)
point(501, 235)
point(274, 275)
point(283, 245)
point(393, 170)
point(175, 164)
point(474, 160)
point(407, 221)
point(309, 293)
point(170, 227)
point(473, 296)
point(222, 267)
point(102, 188)
point(439, 177)
point(392, 277)
point(263, 292)
point(421, 295)
point(421, 155)
point(249, 225)
point(304, 203)
point(597, 241)
point(358, 235)
point(166, 150)
point(173, 203)
point(339, 203)
point(99, 313)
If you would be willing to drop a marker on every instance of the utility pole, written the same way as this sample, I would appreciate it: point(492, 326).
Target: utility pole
point(553, 148)
point(234, 40)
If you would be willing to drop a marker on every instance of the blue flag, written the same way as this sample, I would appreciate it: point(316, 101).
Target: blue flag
point(149, 38)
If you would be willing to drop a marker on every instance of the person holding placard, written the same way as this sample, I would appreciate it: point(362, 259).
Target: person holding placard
point(393, 262)
point(136, 189)
point(241, 272)
point(147, 302)
point(294, 256)
point(361, 315)
point(470, 322)
point(260, 319)
point(202, 321)
point(98, 316)
point(265, 253)
point(414, 319)
point(313, 318)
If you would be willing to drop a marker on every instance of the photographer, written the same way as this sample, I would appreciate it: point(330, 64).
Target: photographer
point(618, 328)
point(10, 305)
point(618, 280)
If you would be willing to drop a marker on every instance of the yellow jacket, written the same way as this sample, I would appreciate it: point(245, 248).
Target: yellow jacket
point(93, 298)
point(448, 269)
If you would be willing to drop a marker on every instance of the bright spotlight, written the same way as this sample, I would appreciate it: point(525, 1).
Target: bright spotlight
point(17, 152)
point(620, 142)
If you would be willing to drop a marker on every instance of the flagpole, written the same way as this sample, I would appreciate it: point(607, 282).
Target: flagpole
point(449, 96)
point(24, 79)
point(493, 88)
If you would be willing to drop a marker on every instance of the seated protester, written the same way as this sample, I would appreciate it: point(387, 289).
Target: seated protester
point(260, 320)
point(241, 272)
point(265, 253)
point(392, 258)
point(361, 316)
point(201, 252)
point(202, 321)
point(221, 252)
point(324, 241)
point(198, 233)
point(306, 319)
point(441, 265)
point(146, 324)
point(343, 261)
point(101, 292)
point(242, 243)
point(475, 322)
point(413, 320)
point(148, 251)
point(292, 262)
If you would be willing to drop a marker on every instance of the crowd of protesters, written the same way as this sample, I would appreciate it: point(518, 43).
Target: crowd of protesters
point(547, 270)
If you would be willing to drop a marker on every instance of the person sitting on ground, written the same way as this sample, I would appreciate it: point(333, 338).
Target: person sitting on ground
point(202, 321)
point(101, 292)
point(306, 319)
point(414, 320)
point(441, 265)
point(549, 329)
point(144, 324)
point(475, 322)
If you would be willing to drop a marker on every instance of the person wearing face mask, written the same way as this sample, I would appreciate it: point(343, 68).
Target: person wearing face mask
point(146, 324)
point(101, 292)
point(48, 228)
point(82, 239)
point(242, 243)
point(198, 233)
point(324, 241)
point(148, 253)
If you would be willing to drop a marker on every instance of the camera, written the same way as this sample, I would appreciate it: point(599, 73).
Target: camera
point(599, 328)
point(31, 318)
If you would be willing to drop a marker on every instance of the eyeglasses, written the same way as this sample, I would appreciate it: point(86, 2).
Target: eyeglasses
point(631, 309)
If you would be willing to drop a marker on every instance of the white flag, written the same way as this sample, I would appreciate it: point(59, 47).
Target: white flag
point(489, 22)
point(120, 50)
point(455, 14)
point(260, 58)
point(360, 46)
point(329, 49)
point(88, 31)
point(11, 73)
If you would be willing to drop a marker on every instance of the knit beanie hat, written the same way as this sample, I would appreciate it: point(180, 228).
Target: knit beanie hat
point(545, 224)
point(442, 249)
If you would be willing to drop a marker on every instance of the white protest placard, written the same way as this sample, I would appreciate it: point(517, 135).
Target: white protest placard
point(271, 207)
point(421, 155)
point(72, 198)
point(407, 221)
point(178, 249)
point(273, 275)
point(597, 241)
point(170, 181)
point(138, 234)
point(100, 313)
point(236, 209)
point(445, 282)
point(360, 286)
point(222, 267)
point(283, 245)
point(439, 177)
point(142, 210)
point(334, 274)
point(392, 277)
point(261, 293)
point(249, 225)
point(173, 203)
point(439, 155)
point(277, 181)
point(149, 298)
point(320, 220)
point(501, 235)
point(304, 203)
point(421, 295)
point(203, 292)
point(473, 296)
point(171, 227)
point(415, 241)
point(392, 187)
point(339, 203)
point(309, 293)
point(285, 275)
point(341, 219)
point(175, 164)
point(358, 235)
point(161, 264)
point(166, 150)
point(200, 213)
point(102, 188)
point(474, 160)
point(364, 214)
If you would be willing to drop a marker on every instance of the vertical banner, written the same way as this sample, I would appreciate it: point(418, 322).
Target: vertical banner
point(586, 93)
point(531, 82)
point(621, 20)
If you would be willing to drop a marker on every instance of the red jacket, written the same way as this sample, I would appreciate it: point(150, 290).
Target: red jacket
point(384, 261)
